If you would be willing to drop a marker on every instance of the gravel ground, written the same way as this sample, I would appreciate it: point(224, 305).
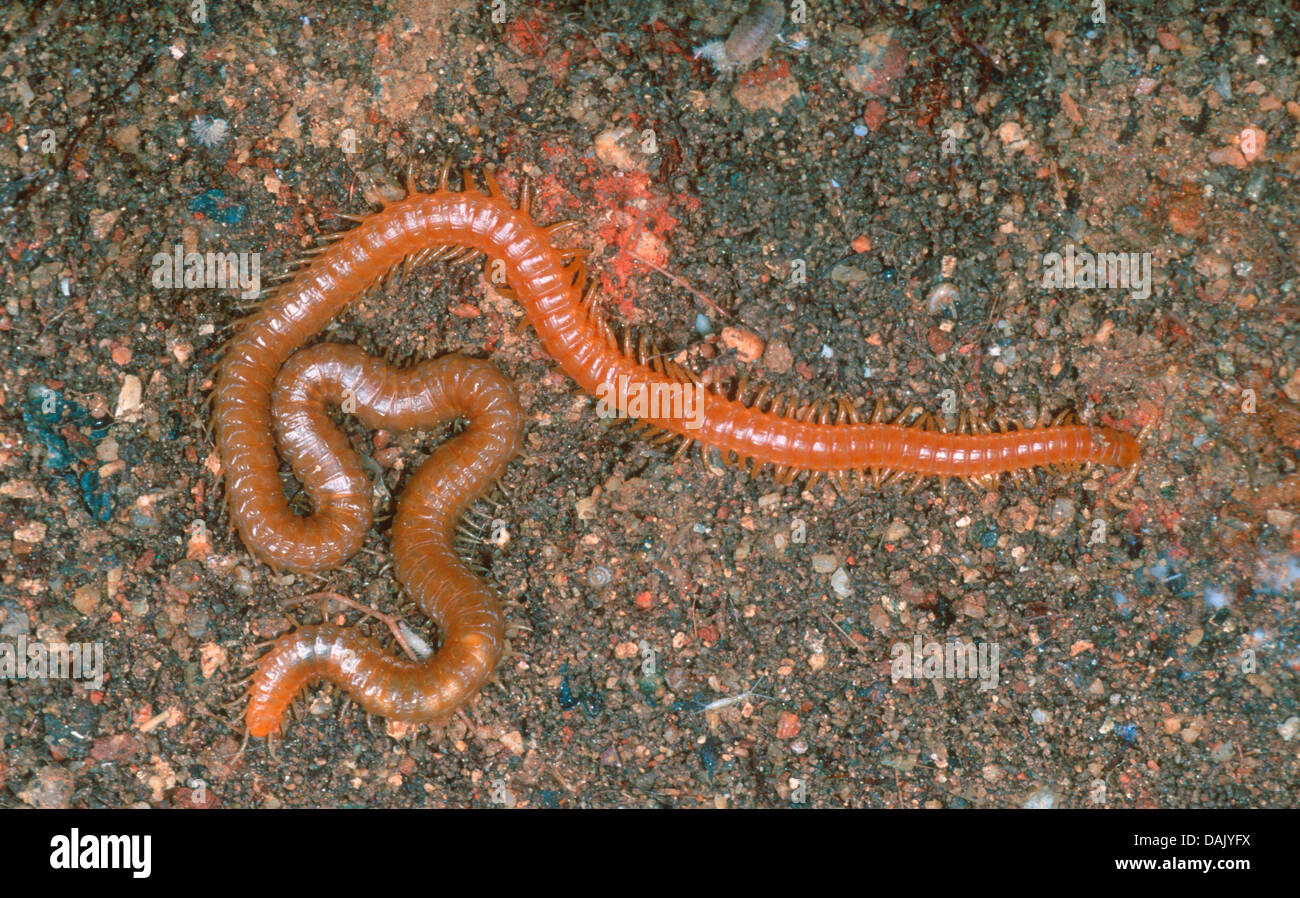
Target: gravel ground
point(697, 638)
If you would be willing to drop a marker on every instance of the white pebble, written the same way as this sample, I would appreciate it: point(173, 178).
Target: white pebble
point(840, 583)
point(1040, 800)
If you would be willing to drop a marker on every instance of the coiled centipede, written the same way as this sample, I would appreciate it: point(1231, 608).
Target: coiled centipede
point(260, 387)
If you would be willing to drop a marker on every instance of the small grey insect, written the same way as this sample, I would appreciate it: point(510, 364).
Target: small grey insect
point(209, 132)
point(749, 40)
point(599, 576)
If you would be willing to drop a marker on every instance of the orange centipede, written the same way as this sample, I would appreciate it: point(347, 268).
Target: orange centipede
point(269, 387)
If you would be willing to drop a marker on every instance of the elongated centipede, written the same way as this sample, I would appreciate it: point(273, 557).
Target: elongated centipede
point(747, 426)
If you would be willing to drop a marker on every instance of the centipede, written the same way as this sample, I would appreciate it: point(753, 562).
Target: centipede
point(272, 388)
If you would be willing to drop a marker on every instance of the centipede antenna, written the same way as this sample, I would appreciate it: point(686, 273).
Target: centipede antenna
point(558, 226)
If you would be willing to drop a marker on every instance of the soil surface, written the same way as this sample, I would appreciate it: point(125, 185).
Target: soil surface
point(872, 207)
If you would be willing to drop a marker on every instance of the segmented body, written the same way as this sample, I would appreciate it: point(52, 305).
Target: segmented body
point(757, 428)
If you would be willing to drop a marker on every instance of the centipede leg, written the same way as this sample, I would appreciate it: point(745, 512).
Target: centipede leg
point(494, 188)
point(526, 196)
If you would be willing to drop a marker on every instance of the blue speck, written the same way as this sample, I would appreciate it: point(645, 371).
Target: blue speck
point(709, 757)
point(1127, 732)
point(565, 694)
point(43, 412)
point(100, 504)
point(989, 539)
point(214, 205)
point(861, 130)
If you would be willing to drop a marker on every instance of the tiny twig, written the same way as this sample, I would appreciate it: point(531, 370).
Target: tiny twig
point(847, 638)
point(680, 282)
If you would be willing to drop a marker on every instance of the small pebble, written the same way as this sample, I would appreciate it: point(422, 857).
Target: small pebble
point(824, 564)
point(1041, 799)
point(840, 583)
point(241, 581)
point(86, 598)
point(129, 399)
point(895, 531)
point(51, 787)
point(196, 622)
point(777, 357)
point(1012, 135)
point(787, 725)
point(675, 678)
point(1062, 511)
point(747, 344)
